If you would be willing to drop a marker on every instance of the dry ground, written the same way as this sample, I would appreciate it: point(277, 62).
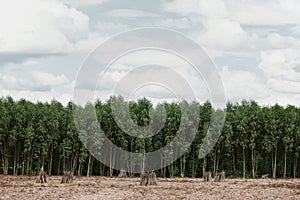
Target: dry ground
point(22, 187)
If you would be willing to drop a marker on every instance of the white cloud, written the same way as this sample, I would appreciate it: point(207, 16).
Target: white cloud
point(39, 81)
point(278, 66)
point(32, 62)
point(180, 23)
point(37, 26)
point(129, 13)
point(275, 40)
point(89, 43)
point(213, 8)
point(34, 96)
point(296, 29)
point(240, 84)
point(245, 12)
point(39, 87)
point(110, 28)
point(217, 24)
point(212, 26)
point(225, 34)
point(46, 79)
point(79, 3)
point(274, 87)
point(265, 12)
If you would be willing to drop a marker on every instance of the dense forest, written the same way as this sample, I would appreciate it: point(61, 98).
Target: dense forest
point(255, 139)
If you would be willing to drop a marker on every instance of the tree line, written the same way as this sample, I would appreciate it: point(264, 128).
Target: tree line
point(255, 140)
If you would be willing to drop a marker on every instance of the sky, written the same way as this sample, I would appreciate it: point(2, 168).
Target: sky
point(254, 44)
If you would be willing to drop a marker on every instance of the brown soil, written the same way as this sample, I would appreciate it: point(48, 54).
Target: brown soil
point(22, 187)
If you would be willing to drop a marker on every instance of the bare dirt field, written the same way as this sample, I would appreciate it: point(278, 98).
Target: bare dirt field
point(22, 187)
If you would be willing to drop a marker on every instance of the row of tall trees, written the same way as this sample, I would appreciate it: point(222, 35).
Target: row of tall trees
point(255, 139)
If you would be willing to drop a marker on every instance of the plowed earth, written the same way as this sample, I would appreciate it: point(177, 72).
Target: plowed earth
point(22, 187)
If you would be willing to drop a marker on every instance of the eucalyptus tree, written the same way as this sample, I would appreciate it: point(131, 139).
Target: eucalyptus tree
point(109, 127)
point(142, 117)
point(9, 132)
point(273, 131)
point(21, 120)
point(171, 128)
point(242, 132)
point(228, 130)
point(219, 147)
point(254, 128)
point(4, 132)
point(205, 113)
point(56, 125)
point(296, 146)
point(188, 122)
point(267, 138)
point(277, 125)
point(158, 140)
point(289, 122)
point(91, 135)
point(42, 135)
point(226, 139)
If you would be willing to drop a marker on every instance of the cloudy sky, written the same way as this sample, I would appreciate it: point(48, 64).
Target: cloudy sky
point(254, 44)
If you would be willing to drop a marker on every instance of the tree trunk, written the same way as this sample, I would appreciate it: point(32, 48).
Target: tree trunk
point(102, 169)
point(28, 163)
point(74, 164)
point(18, 155)
point(163, 169)
point(195, 169)
point(110, 162)
point(253, 162)
point(215, 161)
point(31, 160)
point(131, 160)
point(244, 163)
point(295, 167)
point(144, 156)
point(233, 161)
point(51, 160)
point(161, 166)
point(2, 154)
point(64, 164)
point(184, 162)
point(58, 166)
point(15, 160)
point(194, 163)
point(204, 166)
point(6, 165)
point(182, 166)
point(284, 171)
point(79, 169)
point(89, 165)
point(218, 161)
point(23, 167)
point(4, 159)
point(272, 155)
point(275, 160)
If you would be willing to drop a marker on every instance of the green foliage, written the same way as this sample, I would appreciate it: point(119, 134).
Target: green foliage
point(255, 139)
